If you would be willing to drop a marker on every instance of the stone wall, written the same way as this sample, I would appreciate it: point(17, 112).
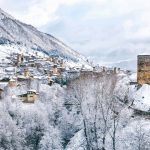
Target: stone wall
point(143, 72)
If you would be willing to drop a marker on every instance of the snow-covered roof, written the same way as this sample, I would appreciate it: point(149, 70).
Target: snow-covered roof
point(21, 76)
point(32, 90)
point(10, 69)
point(12, 80)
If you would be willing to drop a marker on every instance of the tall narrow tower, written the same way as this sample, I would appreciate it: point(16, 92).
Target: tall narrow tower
point(143, 69)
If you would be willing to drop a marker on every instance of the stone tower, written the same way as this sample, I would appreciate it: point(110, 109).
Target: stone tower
point(143, 69)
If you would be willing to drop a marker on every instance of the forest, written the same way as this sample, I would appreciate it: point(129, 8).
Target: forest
point(91, 113)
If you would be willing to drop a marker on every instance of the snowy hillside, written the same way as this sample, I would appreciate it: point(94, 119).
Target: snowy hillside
point(51, 103)
point(7, 49)
point(82, 113)
point(17, 33)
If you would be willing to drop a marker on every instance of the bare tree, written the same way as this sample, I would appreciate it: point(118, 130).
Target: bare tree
point(141, 137)
point(81, 89)
point(99, 106)
point(105, 86)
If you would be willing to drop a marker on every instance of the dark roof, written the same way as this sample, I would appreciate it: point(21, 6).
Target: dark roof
point(5, 80)
point(1, 89)
point(24, 95)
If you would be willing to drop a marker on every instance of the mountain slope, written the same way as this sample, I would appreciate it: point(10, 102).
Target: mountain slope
point(16, 32)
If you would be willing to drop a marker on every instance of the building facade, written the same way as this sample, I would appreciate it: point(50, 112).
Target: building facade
point(29, 97)
point(143, 69)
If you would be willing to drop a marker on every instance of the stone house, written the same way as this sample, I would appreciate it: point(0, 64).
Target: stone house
point(30, 97)
point(55, 70)
point(26, 72)
point(20, 59)
point(62, 64)
point(12, 83)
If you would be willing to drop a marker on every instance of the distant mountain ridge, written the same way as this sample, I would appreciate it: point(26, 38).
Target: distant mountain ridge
point(125, 64)
point(14, 31)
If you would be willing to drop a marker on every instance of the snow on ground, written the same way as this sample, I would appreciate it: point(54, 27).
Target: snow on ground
point(77, 142)
point(72, 64)
point(137, 130)
point(133, 77)
point(142, 98)
point(6, 50)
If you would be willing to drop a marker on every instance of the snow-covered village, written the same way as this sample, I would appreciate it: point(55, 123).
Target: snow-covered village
point(27, 71)
point(53, 97)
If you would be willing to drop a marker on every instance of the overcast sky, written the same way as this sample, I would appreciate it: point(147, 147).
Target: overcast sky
point(107, 30)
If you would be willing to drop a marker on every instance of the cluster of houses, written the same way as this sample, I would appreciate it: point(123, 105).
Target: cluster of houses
point(22, 74)
point(24, 69)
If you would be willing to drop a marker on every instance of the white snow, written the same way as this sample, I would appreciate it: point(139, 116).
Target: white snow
point(133, 77)
point(77, 142)
point(14, 32)
point(142, 96)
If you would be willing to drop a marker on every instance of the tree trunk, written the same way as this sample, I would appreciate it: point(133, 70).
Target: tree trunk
point(114, 135)
point(95, 134)
point(114, 144)
point(103, 148)
point(86, 135)
point(95, 121)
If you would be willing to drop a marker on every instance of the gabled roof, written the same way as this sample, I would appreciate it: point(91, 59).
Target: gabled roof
point(24, 95)
point(32, 90)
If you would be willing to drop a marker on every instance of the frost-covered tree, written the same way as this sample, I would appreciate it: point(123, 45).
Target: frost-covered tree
point(135, 136)
point(83, 92)
point(11, 135)
point(31, 126)
point(97, 100)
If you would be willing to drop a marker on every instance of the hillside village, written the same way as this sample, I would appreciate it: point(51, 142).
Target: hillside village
point(24, 70)
point(54, 98)
point(24, 77)
point(22, 73)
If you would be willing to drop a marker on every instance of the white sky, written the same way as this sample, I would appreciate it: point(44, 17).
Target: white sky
point(107, 30)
